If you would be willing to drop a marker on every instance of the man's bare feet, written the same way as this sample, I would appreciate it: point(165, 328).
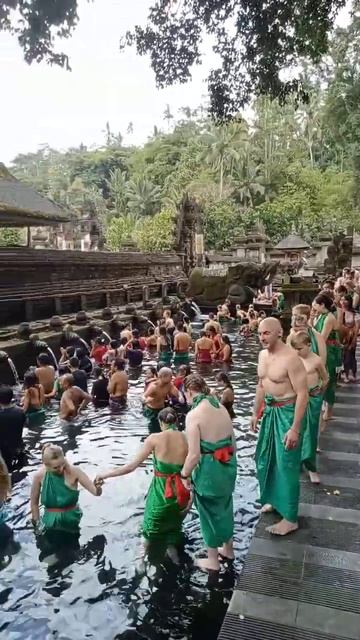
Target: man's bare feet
point(225, 552)
point(282, 528)
point(328, 413)
point(267, 508)
point(207, 565)
point(314, 477)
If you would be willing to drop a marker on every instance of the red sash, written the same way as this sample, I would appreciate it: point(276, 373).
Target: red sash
point(334, 343)
point(224, 454)
point(61, 509)
point(174, 487)
point(275, 403)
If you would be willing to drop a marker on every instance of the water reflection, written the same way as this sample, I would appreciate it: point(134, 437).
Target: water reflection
point(98, 585)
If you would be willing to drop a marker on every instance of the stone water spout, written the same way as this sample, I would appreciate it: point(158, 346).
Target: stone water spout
point(8, 372)
point(40, 346)
point(71, 339)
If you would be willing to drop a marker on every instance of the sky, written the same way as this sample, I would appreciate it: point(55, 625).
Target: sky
point(48, 105)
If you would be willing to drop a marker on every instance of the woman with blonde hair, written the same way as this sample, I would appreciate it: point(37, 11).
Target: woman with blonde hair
point(56, 485)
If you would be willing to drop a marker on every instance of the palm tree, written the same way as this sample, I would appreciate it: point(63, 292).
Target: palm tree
point(248, 182)
point(225, 146)
point(143, 197)
point(117, 190)
point(168, 116)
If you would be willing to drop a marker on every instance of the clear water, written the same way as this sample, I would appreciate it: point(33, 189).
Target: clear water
point(103, 588)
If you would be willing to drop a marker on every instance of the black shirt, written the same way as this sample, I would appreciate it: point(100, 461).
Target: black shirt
point(80, 379)
point(100, 393)
point(85, 364)
point(135, 357)
point(12, 422)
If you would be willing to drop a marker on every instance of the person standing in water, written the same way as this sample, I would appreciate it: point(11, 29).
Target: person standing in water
point(164, 348)
point(225, 393)
point(56, 485)
point(45, 372)
point(300, 319)
point(182, 344)
point(203, 349)
point(326, 323)
point(34, 399)
point(118, 385)
point(317, 379)
point(73, 399)
point(282, 396)
point(226, 349)
point(12, 422)
point(155, 396)
point(211, 465)
point(167, 497)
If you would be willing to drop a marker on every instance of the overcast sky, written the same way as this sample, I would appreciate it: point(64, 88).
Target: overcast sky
point(42, 104)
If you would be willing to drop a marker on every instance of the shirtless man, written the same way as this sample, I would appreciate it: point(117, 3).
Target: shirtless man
point(126, 333)
point(155, 397)
point(212, 323)
point(73, 400)
point(182, 344)
point(45, 372)
point(317, 380)
point(119, 384)
point(282, 390)
point(299, 323)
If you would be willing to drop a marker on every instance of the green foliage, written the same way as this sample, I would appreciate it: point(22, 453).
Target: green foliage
point(156, 233)
point(222, 222)
point(120, 231)
point(10, 237)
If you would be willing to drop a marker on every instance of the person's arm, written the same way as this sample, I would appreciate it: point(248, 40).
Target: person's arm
point(112, 385)
point(196, 351)
point(259, 401)
point(193, 438)
point(67, 406)
point(322, 371)
point(35, 497)
point(174, 392)
point(26, 400)
point(41, 394)
point(86, 398)
point(141, 456)
point(298, 380)
point(88, 484)
point(158, 345)
point(176, 342)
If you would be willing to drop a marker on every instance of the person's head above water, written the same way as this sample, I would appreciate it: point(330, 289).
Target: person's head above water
point(30, 379)
point(270, 333)
point(6, 395)
point(119, 364)
point(98, 372)
point(67, 381)
point(194, 385)
point(224, 379)
point(165, 375)
point(43, 360)
point(184, 370)
point(53, 458)
point(167, 417)
point(74, 363)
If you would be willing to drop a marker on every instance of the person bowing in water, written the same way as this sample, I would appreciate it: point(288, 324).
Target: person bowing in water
point(56, 486)
point(167, 497)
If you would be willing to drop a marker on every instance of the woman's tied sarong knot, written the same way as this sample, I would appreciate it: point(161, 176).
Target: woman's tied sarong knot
point(224, 454)
point(61, 509)
point(174, 487)
point(315, 391)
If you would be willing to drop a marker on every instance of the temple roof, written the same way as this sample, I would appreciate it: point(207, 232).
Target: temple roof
point(292, 242)
point(22, 206)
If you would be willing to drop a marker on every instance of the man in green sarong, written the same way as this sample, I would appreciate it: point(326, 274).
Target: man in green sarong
point(282, 398)
point(211, 464)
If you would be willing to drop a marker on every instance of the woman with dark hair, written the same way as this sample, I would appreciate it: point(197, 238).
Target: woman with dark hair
point(225, 393)
point(226, 351)
point(33, 400)
point(349, 331)
point(167, 497)
point(99, 392)
point(326, 323)
point(164, 347)
point(203, 349)
point(211, 463)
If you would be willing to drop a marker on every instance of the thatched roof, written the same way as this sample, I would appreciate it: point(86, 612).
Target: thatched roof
point(22, 206)
point(292, 242)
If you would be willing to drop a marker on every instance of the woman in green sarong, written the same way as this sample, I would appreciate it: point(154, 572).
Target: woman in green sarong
point(167, 497)
point(211, 464)
point(33, 401)
point(56, 485)
point(326, 323)
point(317, 379)
point(164, 348)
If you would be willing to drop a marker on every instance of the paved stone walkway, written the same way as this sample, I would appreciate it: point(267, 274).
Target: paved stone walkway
point(307, 586)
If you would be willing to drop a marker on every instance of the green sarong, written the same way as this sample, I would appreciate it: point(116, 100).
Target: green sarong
point(314, 343)
point(152, 416)
point(333, 358)
point(181, 358)
point(35, 417)
point(278, 469)
point(214, 481)
point(311, 429)
point(163, 515)
point(55, 494)
point(165, 358)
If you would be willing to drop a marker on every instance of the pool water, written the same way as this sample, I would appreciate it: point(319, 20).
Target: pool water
point(100, 586)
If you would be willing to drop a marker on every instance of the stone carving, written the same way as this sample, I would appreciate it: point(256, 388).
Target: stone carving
point(339, 253)
point(239, 284)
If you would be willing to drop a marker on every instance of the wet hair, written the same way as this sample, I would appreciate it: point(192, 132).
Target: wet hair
point(167, 416)
point(6, 394)
point(301, 310)
point(44, 359)
point(51, 452)
point(136, 344)
point(184, 370)
point(324, 299)
point(70, 351)
point(114, 344)
point(180, 326)
point(80, 353)
point(202, 334)
point(226, 339)
point(136, 334)
point(300, 338)
point(153, 370)
point(195, 382)
point(98, 372)
point(151, 331)
point(124, 341)
point(30, 379)
point(119, 364)
point(223, 377)
point(74, 362)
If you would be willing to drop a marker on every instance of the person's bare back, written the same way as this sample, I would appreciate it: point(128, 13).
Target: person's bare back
point(46, 377)
point(71, 401)
point(156, 394)
point(182, 342)
point(119, 384)
point(213, 423)
point(170, 447)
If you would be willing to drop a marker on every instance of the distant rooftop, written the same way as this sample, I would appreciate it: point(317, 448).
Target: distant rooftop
point(292, 242)
point(22, 206)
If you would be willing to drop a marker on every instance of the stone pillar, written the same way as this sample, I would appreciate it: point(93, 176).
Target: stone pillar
point(145, 295)
point(58, 306)
point(164, 290)
point(83, 301)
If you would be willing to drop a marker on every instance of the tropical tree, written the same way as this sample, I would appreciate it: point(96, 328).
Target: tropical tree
point(143, 197)
point(223, 147)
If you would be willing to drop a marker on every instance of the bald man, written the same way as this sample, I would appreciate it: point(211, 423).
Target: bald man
point(156, 395)
point(281, 399)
